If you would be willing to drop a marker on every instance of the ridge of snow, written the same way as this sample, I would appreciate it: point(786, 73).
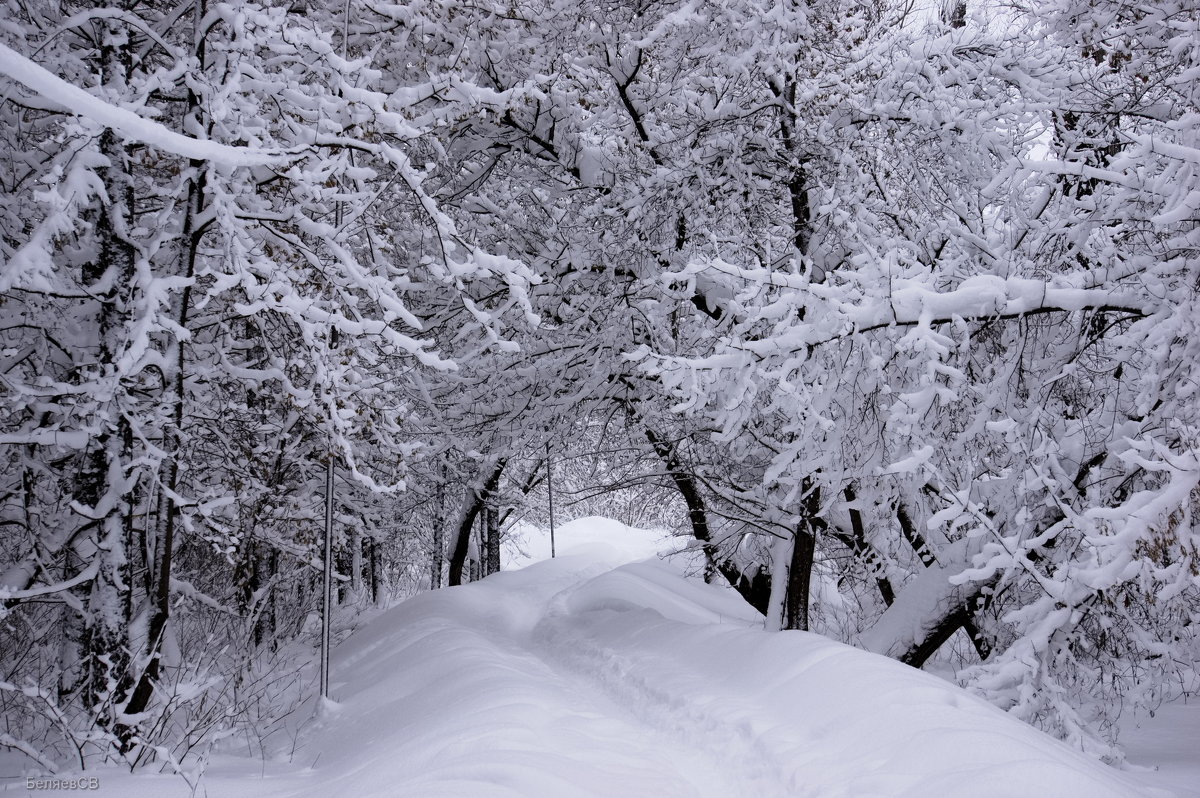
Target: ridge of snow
point(591, 676)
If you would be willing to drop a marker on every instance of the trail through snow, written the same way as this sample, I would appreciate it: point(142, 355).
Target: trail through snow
point(591, 676)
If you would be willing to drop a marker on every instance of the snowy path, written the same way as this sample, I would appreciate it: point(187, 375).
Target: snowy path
point(532, 711)
point(588, 678)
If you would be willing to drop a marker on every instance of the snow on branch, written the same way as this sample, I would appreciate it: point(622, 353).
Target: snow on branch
point(86, 575)
point(987, 296)
point(913, 302)
point(79, 102)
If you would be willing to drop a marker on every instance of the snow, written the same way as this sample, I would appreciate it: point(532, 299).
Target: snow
point(603, 538)
point(603, 673)
point(122, 120)
point(1167, 746)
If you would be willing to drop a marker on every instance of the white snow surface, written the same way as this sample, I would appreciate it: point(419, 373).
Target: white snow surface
point(1165, 747)
point(594, 676)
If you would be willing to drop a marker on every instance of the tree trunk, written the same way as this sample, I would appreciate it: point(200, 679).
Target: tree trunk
point(165, 546)
point(928, 611)
point(697, 516)
point(799, 573)
point(954, 13)
point(103, 486)
point(375, 571)
point(492, 550)
point(799, 579)
point(327, 576)
point(356, 564)
point(550, 496)
point(754, 587)
point(864, 551)
point(958, 616)
point(437, 556)
point(268, 616)
point(474, 501)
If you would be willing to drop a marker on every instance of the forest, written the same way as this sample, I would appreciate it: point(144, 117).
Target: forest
point(891, 308)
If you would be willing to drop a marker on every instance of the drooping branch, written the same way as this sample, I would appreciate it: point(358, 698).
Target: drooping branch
point(754, 587)
point(691, 497)
point(958, 612)
point(857, 543)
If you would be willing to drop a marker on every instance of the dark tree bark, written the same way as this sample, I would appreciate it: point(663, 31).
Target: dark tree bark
point(697, 516)
point(799, 587)
point(753, 586)
point(954, 13)
point(375, 571)
point(473, 503)
point(534, 479)
point(492, 549)
point(795, 614)
point(437, 557)
point(857, 543)
point(269, 623)
point(106, 656)
point(936, 635)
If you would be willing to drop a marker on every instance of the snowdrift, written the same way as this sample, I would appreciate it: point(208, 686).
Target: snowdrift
point(595, 677)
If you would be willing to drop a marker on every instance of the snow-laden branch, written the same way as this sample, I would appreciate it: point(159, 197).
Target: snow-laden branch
point(916, 303)
point(79, 102)
point(86, 575)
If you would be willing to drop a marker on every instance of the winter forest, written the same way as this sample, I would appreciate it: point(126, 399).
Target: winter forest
point(889, 309)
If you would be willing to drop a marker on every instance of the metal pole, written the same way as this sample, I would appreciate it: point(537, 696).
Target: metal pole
point(550, 494)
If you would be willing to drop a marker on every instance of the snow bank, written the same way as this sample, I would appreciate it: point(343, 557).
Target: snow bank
point(601, 538)
point(1170, 739)
point(577, 678)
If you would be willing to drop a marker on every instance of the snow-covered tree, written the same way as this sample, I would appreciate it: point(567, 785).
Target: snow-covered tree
point(218, 259)
point(967, 382)
point(901, 307)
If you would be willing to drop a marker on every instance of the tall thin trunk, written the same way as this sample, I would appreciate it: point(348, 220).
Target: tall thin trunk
point(476, 557)
point(356, 564)
point(550, 498)
point(327, 576)
point(102, 485)
point(799, 574)
point(375, 571)
point(264, 580)
point(189, 237)
point(799, 579)
point(781, 564)
point(697, 515)
point(438, 555)
point(492, 550)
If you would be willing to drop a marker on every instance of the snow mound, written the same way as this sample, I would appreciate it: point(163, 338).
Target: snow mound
point(573, 678)
point(603, 539)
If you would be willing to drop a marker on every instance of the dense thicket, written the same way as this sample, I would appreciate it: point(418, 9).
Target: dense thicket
point(894, 310)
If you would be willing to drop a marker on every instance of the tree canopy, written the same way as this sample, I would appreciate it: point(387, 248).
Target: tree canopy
point(893, 310)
